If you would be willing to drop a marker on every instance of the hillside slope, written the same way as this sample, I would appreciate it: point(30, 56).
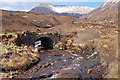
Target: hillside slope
point(13, 20)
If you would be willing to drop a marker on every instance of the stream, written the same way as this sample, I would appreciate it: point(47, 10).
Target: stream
point(58, 63)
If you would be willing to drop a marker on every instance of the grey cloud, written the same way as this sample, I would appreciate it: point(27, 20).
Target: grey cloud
point(18, 6)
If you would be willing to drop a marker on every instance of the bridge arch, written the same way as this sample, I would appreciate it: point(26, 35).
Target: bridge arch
point(45, 42)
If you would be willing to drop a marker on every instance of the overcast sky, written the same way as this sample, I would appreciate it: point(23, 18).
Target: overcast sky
point(26, 5)
point(53, 0)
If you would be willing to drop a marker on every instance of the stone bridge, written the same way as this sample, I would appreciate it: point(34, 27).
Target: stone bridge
point(47, 39)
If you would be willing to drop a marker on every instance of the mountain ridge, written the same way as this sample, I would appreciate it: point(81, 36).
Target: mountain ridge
point(105, 13)
point(75, 11)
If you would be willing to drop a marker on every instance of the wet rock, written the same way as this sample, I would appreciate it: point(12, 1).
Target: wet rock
point(95, 73)
point(51, 63)
point(47, 64)
point(36, 50)
point(73, 71)
point(68, 74)
point(31, 60)
point(8, 51)
point(83, 47)
point(4, 75)
point(10, 76)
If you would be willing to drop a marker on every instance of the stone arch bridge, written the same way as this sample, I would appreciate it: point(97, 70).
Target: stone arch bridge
point(47, 39)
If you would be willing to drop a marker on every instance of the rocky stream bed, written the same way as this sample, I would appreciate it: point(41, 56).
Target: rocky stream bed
point(63, 64)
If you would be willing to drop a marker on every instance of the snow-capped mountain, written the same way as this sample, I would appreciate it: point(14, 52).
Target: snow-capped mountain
point(75, 11)
point(107, 12)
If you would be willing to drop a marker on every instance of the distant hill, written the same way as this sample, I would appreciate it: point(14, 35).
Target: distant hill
point(75, 11)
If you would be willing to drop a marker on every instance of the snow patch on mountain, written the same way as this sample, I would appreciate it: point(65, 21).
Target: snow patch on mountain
point(110, 2)
point(113, 1)
point(75, 11)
